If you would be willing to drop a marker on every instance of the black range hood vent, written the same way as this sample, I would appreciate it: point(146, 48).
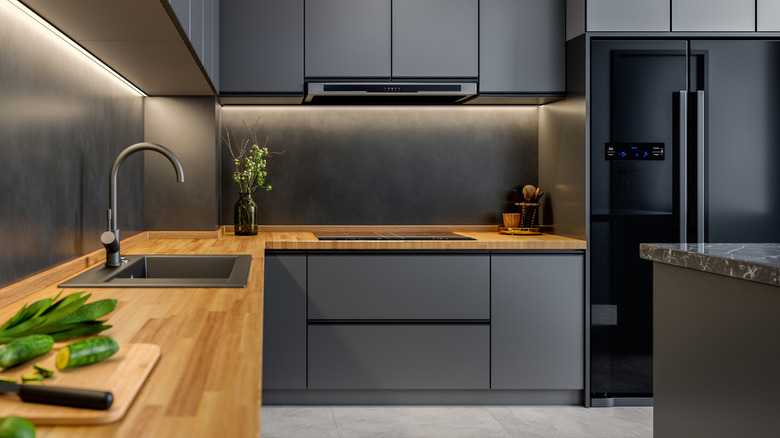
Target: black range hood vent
point(383, 93)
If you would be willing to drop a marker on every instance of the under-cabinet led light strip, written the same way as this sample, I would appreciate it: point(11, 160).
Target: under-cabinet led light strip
point(74, 44)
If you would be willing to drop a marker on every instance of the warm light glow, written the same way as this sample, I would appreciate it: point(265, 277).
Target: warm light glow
point(74, 44)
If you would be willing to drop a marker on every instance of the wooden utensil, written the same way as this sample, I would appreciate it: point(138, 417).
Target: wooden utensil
point(528, 192)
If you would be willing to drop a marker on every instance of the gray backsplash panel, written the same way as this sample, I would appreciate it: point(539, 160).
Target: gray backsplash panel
point(188, 127)
point(63, 121)
point(393, 165)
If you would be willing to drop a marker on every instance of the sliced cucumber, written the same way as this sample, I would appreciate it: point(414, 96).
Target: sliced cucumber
point(44, 371)
point(86, 352)
point(32, 377)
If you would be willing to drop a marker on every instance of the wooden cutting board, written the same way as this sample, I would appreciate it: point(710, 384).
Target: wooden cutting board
point(123, 374)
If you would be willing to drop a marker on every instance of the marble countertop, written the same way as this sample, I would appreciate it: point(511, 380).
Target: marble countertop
point(759, 262)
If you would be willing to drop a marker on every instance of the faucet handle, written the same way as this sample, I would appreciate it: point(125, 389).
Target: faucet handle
point(110, 241)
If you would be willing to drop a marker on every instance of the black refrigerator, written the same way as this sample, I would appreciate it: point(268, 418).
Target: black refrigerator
point(685, 147)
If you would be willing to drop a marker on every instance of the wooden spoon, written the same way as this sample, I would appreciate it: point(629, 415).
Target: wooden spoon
point(528, 191)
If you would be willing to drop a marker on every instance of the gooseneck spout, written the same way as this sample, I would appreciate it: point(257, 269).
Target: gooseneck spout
point(110, 238)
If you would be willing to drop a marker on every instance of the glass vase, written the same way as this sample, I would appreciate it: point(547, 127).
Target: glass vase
point(245, 215)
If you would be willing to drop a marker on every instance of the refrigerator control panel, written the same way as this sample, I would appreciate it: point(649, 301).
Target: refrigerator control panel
point(633, 151)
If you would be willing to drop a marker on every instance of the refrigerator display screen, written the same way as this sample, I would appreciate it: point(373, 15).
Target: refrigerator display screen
point(634, 151)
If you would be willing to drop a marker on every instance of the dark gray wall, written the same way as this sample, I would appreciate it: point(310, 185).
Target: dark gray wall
point(63, 120)
point(562, 152)
point(188, 127)
point(399, 165)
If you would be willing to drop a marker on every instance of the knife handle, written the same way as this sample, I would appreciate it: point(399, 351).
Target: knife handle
point(75, 397)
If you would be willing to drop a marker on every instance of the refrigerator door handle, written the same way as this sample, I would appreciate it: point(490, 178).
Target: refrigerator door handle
point(683, 150)
point(700, 169)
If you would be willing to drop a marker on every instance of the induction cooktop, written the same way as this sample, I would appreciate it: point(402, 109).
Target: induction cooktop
point(386, 235)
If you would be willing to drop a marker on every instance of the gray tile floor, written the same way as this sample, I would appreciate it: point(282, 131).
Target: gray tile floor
point(455, 422)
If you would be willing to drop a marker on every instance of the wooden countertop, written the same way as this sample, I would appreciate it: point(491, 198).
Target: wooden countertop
point(484, 240)
point(208, 381)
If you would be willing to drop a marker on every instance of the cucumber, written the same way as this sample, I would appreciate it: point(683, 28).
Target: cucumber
point(86, 352)
point(44, 371)
point(32, 377)
point(25, 348)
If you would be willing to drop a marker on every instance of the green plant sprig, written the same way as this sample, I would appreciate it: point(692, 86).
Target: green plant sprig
point(66, 318)
point(249, 159)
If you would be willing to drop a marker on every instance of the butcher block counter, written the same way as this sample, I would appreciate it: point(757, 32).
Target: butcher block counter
point(207, 381)
point(485, 238)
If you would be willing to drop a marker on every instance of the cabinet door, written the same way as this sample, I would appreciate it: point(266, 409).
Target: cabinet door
point(284, 322)
point(537, 321)
point(627, 15)
point(399, 286)
point(200, 21)
point(522, 46)
point(386, 356)
point(768, 15)
point(435, 38)
point(348, 38)
point(714, 15)
point(261, 46)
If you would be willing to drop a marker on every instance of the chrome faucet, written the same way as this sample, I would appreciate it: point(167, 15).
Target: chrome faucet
point(110, 238)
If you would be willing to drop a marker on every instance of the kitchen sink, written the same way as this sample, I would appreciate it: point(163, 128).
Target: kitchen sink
point(162, 271)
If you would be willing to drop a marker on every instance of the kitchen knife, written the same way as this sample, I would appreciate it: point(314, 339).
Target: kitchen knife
point(58, 395)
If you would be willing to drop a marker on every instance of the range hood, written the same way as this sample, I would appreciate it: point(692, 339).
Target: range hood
point(380, 93)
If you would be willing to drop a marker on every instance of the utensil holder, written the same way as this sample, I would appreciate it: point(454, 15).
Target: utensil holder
point(529, 217)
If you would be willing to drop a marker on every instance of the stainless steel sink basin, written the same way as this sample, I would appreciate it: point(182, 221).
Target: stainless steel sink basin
point(169, 271)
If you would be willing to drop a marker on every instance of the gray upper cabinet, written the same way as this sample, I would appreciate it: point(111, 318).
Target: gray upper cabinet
point(261, 47)
point(714, 15)
point(435, 38)
point(768, 15)
point(627, 15)
point(200, 21)
point(348, 38)
point(522, 46)
point(537, 321)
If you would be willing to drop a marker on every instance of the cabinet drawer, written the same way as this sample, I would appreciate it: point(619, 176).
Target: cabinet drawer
point(399, 286)
point(433, 356)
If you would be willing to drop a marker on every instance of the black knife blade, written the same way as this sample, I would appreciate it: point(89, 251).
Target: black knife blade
point(59, 395)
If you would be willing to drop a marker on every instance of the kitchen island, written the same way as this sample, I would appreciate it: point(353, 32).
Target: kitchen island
point(716, 339)
point(208, 381)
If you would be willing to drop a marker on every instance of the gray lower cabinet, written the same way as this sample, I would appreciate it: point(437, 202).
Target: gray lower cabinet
point(435, 38)
point(261, 47)
point(284, 322)
point(348, 38)
point(399, 356)
point(522, 46)
point(399, 286)
point(343, 323)
point(537, 321)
